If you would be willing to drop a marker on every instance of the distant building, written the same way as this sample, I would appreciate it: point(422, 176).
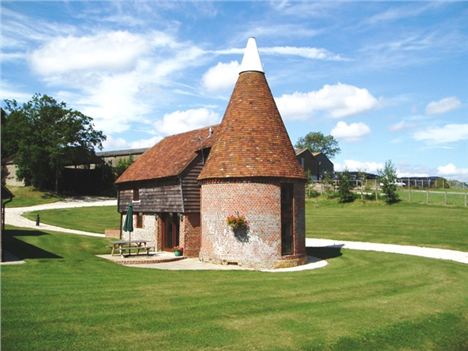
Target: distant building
point(315, 164)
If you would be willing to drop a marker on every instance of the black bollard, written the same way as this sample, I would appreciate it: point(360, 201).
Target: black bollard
point(38, 220)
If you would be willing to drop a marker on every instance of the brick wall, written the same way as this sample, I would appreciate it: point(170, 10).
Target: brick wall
point(260, 203)
point(190, 234)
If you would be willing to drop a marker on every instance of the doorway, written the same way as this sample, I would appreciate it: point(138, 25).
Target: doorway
point(287, 219)
point(170, 231)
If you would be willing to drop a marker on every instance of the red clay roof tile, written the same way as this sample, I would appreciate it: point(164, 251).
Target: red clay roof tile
point(252, 140)
point(169, 157)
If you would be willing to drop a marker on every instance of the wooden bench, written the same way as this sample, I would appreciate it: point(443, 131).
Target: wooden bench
point(124, 247)
point(129, 249)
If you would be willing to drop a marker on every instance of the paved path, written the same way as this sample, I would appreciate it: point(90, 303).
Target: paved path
point(13, 215)
point(442, 254)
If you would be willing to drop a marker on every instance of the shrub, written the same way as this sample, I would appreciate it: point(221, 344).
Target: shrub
point(344, 187)
point(388, 179)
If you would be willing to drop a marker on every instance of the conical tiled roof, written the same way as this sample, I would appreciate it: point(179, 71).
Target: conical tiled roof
point(252, 140)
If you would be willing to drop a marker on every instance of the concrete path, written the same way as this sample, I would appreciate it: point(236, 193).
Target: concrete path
point(13, 215)
point(441, 254)
point(194, 264)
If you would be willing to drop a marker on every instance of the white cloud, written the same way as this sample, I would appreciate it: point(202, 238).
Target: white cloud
point(449, 133)
point(442, 106)
point(116, 143)
point(400, 126)
point(182, 121)
point(138, 144)
point(300, 51)
point(451, 170)
point(103, 51)
point(350, 132)
point(221, 77)
point(116, 77)
point(365, 166)
point(339, 100)
point(113, 143)
point(305, 52)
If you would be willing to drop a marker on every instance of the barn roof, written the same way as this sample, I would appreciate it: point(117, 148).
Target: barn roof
point(169, 157)
point(252, 140)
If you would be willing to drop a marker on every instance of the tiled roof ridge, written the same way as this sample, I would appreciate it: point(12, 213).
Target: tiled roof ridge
point(252, 140)
point(169, 157)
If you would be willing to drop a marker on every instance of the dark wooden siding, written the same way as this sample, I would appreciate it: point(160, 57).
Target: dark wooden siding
point(315, 166)
point(309, 163)
point(190, 185)
point(325, 165)
point(155, 196)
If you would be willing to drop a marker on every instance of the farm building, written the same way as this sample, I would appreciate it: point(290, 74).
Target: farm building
point(315, 164)
point(185, 187)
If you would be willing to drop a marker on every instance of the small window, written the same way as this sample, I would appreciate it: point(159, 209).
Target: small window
point(136, 194)
point(302, 162)
point(139, 220)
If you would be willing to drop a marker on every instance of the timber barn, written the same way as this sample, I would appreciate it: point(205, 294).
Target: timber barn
point(189, 188)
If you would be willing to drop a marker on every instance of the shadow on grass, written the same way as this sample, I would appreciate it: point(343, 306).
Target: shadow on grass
point(324, 252)
point(22, 249)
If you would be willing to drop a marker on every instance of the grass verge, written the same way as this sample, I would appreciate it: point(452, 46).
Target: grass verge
point(401, 223)
point(66, 298)
point(91, 219)
point(28, 196)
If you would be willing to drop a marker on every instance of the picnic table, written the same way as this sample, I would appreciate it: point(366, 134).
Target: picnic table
point(124, 246)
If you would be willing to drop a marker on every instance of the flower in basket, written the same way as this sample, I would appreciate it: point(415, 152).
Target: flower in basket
point(236, 221)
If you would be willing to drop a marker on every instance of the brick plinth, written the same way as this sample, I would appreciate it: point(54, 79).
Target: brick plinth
point(260, 203)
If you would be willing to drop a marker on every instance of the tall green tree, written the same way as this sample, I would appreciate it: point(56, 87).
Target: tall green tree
point(344, 187)
point(41, 134)
point(318, 142)
point(388, 179)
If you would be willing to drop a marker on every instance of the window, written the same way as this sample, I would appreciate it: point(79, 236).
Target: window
point(139, 220)
point(136, 194)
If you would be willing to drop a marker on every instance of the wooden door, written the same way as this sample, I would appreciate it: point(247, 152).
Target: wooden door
point(287, 219)
point(170, 231)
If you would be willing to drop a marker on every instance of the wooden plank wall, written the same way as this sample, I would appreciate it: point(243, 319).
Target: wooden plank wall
point(162, 196)
point(190, 186)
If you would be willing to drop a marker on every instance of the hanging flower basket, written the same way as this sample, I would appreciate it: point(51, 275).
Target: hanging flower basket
point(236, 221)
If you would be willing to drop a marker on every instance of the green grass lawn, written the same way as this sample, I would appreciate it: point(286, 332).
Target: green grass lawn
point(28, 196)
point(455, 197)
point(402, 223)
point(65, 298)
point(90, 219)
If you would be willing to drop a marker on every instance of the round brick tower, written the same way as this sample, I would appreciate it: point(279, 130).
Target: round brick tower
point(252, 172)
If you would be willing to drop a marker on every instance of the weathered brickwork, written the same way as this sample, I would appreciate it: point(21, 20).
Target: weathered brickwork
point(190, 232)
point(260, 245)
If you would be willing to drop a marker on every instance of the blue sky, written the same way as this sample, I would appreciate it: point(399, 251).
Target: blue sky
point(388, 80)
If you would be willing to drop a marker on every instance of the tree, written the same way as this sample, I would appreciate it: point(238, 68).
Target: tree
point(122, 165)
point(344, 187)
point(317, 142)
point(388, 179)
point(41, 133)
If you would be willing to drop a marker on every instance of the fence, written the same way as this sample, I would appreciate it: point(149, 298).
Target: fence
point(370, 188)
